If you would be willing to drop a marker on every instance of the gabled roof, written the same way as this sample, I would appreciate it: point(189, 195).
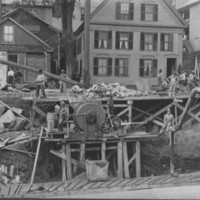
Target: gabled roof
point(175, 12)
point(188, 5)
point(30, 13)
point(27, 31)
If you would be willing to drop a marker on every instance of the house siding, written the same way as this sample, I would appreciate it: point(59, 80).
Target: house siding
point(104, 20)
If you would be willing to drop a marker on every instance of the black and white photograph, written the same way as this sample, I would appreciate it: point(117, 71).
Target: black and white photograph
point(100, 99)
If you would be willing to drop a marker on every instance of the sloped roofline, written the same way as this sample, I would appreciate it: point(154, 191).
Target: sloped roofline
point(27, 31)
point(81, 27)
point(15, 10)
point(176, 13)
point(188, 5)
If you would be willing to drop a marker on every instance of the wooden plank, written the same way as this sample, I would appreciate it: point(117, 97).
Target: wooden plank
point(1, 102)
point(125, 159)
point(103, 150)
point(63, 164)
point(171, 152)
point(36, 157)
point(82, 153)
point(123, 112)
point(189, 113)
point(63, 156)
point(68, 160)
point(119, 159)
point(39, 111)
point(137, 160)
point(146, 113)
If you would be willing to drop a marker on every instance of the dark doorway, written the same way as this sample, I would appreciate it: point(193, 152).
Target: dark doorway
point(171, 66)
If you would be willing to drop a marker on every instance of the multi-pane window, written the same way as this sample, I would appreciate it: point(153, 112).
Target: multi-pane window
point(103, 39)
point(166, 42)
point(149, 12)
point(148, 41)
point(121, 67)
point(124, 11)
point(124, 40)
point(102, 66)
point(148, 68)
point(8, 34)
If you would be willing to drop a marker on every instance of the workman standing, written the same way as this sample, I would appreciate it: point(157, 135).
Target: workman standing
point(40, 84)
point(18, 76)
point(168, 122)
point(11, 74)
point(63, 115)
point(62, 83)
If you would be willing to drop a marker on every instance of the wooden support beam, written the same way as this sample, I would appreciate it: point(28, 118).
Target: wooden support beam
point(1, 102)
point(138, 161)
point(132, 159)
point(82, 153)
point(68, 160)
point(123, 112)
point(103, 150)
point(39, 111)
point(146, 113)
point(130, 105)
point(63, 164)
point(119, 159)
point(171, 152)
point(37, 155)
point(125, 159)
point(189, 112)
point(63, 156)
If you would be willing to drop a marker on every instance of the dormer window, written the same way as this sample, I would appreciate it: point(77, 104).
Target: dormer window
point(124, 11)
point(8, 34)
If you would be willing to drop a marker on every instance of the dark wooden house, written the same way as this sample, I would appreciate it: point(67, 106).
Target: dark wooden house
point(27, 39)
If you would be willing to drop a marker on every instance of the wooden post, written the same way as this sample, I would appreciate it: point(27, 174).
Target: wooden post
point(68, 160)
point(130, 104)
point(176, 116)
point(137, 160)
point(63, 165)
point(103, 150)
point(119, 159)
point(82, 153)
point(126, 164)
point(171, 152)
point(37, 154)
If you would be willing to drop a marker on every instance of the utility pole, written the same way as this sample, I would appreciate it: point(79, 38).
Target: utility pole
point(0, 8)
point(87, 45)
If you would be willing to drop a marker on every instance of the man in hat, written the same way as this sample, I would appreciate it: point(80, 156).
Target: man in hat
point(40, 84)
point(63, 115)
point(192, 81)
point(62, 83)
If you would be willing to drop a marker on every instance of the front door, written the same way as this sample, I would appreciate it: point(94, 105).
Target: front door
point(171, 66)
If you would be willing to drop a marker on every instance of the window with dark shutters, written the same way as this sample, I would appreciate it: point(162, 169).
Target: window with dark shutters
point(124, 11)
point(118, 6)
point(141, 68)
point(109, 39)
point(96, 39)
point(162, 41)
point(149, 12)
point(154, 68)
point(117, 42)
point(142, 41)
point(116, 66)
point(155, 13)
point(131, 11)
point(130, 42)
point(142, 12)
point(155, 41)
point(171, 42)
point(148, 68)
point(95, 72)
point(109, 66)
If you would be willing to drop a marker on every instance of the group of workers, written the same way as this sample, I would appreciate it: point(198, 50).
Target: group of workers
point(14, 76)
point(183, 79)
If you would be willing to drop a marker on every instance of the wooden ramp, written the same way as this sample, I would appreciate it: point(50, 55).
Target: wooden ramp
point(83, 186)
